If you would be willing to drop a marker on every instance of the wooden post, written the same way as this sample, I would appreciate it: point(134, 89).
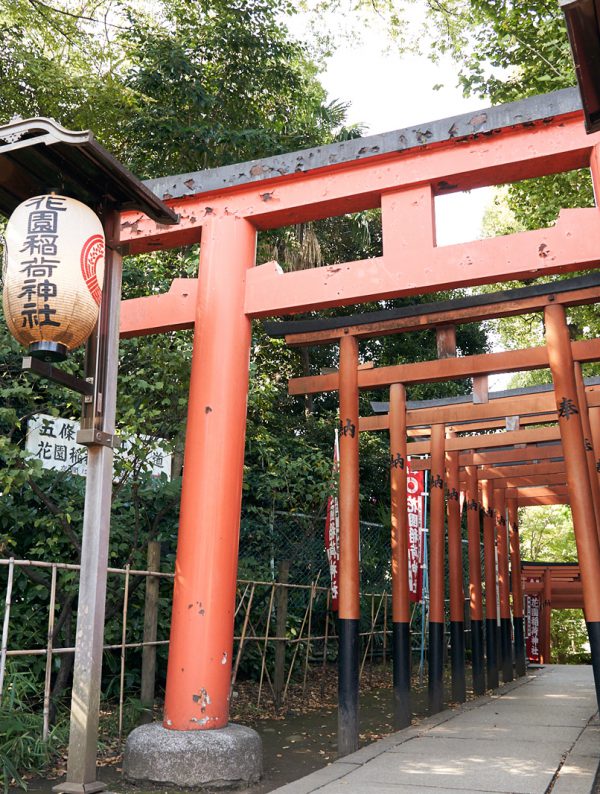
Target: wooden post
point(400, 592)
point(455, 573)
point(504, 582)
point(281, 608)
point(516, 586)
point(475, 596)
point(266, 643)
point(436, 571)
point(560, 359)
point(150, 633)
point(349, 573)
point(313, 592)
point(491, 613)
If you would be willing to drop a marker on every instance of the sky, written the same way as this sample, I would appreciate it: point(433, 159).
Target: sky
point(389, 91)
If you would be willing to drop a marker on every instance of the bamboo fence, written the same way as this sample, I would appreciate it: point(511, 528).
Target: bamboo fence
point(309, 637)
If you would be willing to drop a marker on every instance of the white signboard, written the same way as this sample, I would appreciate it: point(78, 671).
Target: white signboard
point(52, 441)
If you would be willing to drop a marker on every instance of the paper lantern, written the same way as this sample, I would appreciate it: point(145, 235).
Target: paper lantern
point(53, 274)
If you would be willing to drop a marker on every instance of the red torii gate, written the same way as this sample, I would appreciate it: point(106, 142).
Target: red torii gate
point(559, 587)
point(400, 172)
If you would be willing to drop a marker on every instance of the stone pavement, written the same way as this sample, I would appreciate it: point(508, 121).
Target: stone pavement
point(535, 735)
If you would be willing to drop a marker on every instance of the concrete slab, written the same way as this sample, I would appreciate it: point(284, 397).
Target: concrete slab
point(377, 788)
point(533, 734)
point(497, 732)
point(319, 778)
point(532, 715)
point(576, 776)
point(464, 764)
point(588, 743)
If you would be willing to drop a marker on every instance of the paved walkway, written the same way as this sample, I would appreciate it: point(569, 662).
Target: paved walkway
point(537, 735)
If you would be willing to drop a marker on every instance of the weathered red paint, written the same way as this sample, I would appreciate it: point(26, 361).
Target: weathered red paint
point(199, 670)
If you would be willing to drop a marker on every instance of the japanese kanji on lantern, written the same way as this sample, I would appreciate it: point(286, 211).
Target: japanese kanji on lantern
point(53, 272)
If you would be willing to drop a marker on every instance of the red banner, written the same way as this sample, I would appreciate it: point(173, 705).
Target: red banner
point(415, 487)
point(332, 532)
point(533, 608)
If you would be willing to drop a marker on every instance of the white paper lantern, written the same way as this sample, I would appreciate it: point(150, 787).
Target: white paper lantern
point(53, 274)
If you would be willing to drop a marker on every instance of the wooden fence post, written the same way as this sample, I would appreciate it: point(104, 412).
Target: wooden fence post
point(150, 632)
point(281, 607)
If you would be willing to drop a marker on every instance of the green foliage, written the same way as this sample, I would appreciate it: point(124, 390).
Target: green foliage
point(22, 749)
point(171, 88)
point(569, 637)
point(505, 50)
point(546, 535)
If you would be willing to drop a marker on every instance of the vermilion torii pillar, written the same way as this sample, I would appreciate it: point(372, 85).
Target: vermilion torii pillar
point(400, 591)
point(455, 568)
point(582, 507)
point(504, 583)
point(475, 595)
point(198, 683)
point(516, 585)
point(491, 611)
point(349, 565)
point(436, 570)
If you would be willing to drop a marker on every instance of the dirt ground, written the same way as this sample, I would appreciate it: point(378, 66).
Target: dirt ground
point(299, 740)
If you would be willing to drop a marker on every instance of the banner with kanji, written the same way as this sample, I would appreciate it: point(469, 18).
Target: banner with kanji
point(415, 488)
point(332, 529)
point(533, 608)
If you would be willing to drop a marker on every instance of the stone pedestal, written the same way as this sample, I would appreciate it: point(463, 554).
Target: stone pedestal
point(222, 758)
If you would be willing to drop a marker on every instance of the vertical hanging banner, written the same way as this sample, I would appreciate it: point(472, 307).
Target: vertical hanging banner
point(415, 488)
point(332, 528)
point(533, 608)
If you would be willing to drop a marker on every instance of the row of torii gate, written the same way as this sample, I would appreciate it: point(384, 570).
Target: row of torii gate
point(553, 585)
point(490, 453)
point(545, 453)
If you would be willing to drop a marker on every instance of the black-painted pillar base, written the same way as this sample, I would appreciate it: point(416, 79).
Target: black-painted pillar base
point(594, 635)
point(436, 667)
point(477, 657)
point(401, 674)
point(457, 661)
point(506, 642)
point(520, 658)
point(348, 669)
point(491, 653)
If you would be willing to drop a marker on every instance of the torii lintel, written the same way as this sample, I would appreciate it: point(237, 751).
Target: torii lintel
point(401, 173)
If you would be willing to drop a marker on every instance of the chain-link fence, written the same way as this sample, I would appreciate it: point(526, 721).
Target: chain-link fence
point(269, 537)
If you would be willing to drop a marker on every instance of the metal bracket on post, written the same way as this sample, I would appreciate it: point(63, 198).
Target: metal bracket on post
point(47, 371)
point(89, 437)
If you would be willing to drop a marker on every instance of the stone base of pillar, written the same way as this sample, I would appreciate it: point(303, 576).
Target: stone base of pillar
point(223, 758)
